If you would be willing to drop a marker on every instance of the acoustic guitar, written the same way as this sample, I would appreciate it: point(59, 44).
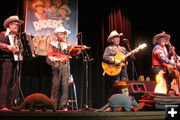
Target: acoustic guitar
point(114, 69)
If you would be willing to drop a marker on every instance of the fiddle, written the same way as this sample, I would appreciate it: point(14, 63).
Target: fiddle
point(79, 47)
point(76, 49)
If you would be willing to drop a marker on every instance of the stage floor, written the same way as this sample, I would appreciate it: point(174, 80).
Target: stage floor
point(81, 115)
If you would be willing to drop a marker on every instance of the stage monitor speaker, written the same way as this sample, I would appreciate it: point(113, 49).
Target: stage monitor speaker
point(138, 88)
point(141, 86)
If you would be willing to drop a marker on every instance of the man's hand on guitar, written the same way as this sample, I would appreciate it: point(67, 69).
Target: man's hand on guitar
point(117, 62)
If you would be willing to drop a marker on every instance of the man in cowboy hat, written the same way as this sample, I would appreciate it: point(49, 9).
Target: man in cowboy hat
point(161, 57)
point(64, 11)
point(40, 10)
point(111, 50)
point(58, 51)
point(58, 56)
point(9, 45)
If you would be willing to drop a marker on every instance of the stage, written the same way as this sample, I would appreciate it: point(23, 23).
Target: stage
point(81, 115)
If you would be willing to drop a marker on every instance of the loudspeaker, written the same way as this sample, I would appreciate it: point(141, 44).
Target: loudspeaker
point(138, 88)
point(141, 86)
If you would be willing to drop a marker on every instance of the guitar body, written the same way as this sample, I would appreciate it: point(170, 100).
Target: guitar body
point(113, 69)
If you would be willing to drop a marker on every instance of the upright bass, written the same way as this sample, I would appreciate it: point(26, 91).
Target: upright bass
point(175, 72)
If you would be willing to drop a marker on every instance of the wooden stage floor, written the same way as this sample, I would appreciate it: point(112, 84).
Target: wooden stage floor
point(81, 115)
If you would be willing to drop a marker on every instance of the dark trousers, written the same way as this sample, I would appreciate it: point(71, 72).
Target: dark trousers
point(7, 72)
point(10, 78)
point(59, 92)
point(123, 76)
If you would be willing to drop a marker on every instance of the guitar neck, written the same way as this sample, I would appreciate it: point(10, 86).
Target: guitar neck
point(136, 49)
point(130, 53)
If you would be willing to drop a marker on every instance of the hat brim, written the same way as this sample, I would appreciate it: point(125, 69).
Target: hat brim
point(161, 35)
point(123, 84)
point(65, 32)
point(113, 36)
point(9, 20)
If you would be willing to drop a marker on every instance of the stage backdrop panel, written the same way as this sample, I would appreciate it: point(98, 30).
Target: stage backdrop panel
point(44, 16)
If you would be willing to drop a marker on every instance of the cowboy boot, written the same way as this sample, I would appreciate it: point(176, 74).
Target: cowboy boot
point(139, 107)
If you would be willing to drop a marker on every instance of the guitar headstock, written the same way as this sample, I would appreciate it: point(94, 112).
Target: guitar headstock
point(142, 46)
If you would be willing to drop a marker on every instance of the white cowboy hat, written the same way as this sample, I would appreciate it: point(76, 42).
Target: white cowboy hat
point(12, 19)
point(61, 30)
point(113, 34)
point(160, 35)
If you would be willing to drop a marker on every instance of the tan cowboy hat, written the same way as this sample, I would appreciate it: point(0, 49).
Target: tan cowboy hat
point(113, 34)
point(66, 8)
point(123, 84)
point(160, 35)
point(12, 19)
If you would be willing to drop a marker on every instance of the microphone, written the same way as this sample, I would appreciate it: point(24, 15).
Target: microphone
point(78, 34)
point(125, 40)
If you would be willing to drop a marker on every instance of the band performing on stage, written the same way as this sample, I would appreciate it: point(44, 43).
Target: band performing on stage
point(114, 64)
point(61, 48)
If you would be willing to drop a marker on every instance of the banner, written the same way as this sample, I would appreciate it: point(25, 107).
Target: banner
point(44, 16)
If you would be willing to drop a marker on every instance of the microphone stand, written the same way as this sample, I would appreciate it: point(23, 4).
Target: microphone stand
point(86, 60)
point(17, 73)
point(20, 64)
point(132, 61)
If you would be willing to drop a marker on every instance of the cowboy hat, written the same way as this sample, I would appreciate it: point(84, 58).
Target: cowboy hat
point(37, 3)
point(61, 30)
point(160, 35)
point(66, 8)
point(113, 34)
point(12, 19)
